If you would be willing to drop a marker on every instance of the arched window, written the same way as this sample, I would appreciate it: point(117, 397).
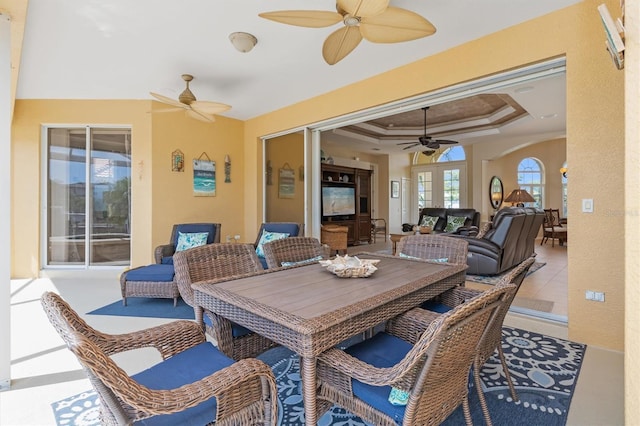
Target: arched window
point(455, 153)
point(530, 179)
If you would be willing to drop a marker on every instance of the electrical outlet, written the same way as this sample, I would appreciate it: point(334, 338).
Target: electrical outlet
point(596, 296)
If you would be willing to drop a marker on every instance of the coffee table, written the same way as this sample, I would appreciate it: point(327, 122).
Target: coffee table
point(309, 310)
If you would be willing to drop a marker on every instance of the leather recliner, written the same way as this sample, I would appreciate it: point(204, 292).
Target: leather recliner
point(509, 241)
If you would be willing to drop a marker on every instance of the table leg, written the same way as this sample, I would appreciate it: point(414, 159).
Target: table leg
point(308, 370)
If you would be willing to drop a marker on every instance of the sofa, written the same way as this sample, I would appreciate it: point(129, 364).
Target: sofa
point(437, 218)
point(508, 240)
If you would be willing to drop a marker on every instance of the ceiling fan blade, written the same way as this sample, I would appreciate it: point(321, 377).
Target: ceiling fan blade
point(410, 146)
point(200, 116)
point(395, 25)
point(445, 141)
point(407, 143)
point(304, 18)
point(167, 110)
point(168, 100)
point(340, 43)
point(208, 107)
point(363, 8)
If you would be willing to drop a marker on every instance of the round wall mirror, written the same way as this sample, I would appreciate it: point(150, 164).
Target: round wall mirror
point(496, 192)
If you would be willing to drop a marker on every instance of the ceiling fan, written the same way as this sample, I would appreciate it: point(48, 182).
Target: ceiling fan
point(200, 110)
point(427, 141)
point(373, 20)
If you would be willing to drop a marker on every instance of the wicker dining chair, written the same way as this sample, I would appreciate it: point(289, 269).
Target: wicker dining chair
point(336, 237)
point(193, 384)
point(216, 261)
point(435, 247)
point(434, 371)
point(294, 250)
point(411, 324)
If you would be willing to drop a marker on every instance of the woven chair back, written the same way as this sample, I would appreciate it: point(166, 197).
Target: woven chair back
point(435, 247)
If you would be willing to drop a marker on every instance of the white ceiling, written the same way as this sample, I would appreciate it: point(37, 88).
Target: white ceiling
point(122, 49)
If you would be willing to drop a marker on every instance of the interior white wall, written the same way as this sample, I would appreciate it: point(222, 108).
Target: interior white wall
point(5, 199)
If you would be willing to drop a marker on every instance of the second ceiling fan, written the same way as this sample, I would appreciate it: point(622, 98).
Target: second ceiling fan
point(373, 20)
point(426, 141)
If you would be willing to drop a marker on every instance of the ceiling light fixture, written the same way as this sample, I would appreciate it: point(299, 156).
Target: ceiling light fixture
point(243, 42)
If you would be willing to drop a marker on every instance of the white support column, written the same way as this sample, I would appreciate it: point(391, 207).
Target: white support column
point(5, 199)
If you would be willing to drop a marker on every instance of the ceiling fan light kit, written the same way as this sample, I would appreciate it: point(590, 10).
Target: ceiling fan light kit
point(200, 110)
point(243, 42)
point(372, 20)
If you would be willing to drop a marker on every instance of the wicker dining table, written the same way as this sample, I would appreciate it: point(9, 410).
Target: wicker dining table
point(309, 310)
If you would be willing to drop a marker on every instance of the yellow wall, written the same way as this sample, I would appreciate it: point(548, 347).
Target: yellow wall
point(160, 197)
point(595, 114)
point(289, 150)
point(173, 199)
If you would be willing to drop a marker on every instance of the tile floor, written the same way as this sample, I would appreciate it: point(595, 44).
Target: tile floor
point(44, 371)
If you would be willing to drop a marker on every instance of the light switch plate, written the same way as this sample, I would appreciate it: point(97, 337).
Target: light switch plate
point(587, 205)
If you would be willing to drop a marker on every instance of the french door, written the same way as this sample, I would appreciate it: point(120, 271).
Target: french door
point(439, 185)
point(88, 197)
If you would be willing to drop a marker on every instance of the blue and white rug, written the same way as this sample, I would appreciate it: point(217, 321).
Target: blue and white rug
point(544, 370)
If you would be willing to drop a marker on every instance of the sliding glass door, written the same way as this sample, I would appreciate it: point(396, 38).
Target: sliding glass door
point(88, 203)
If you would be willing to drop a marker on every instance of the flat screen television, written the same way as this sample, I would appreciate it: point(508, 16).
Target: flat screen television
point(338, 201)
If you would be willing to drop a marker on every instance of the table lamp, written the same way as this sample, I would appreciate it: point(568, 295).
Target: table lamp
point(519, 197)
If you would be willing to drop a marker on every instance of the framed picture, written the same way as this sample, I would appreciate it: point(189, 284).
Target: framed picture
point(395, 189)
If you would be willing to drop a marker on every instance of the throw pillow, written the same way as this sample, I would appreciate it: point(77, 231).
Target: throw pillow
point(429, 221)
point(300, 262)
point(191, 240)
point(269, 236)
point(398, 396)
point(454, 222)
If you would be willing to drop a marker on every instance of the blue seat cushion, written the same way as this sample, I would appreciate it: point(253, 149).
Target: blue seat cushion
point(382, 350)
point(186, 367)
point(167, 260)
point(236, 329)
point(152, 273)
point(433, 306)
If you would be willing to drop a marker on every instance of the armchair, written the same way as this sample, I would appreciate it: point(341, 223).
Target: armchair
point(193, 384)
point(270, 231)
point(217, 261)
point(164, 253)
point(434, 370)
point(508, 241)
point(378, 226)
point(411, 324)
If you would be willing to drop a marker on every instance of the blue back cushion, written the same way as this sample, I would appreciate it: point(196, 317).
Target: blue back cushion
point(186, 367)
point(293, 229)
point(382, 350)
point(190, 228)
point(433, 306)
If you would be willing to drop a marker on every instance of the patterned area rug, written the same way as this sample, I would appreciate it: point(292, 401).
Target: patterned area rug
point(496, 278)
point(544, 370)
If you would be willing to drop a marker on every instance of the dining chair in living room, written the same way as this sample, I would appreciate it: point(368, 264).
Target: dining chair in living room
point(217, 261)
point(412, 323)
point(193, 384)
point(293, 251)
point(386, 380)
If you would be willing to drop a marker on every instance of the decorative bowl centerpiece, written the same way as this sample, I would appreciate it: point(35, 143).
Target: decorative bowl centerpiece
point(350, 266)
